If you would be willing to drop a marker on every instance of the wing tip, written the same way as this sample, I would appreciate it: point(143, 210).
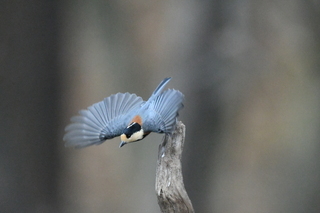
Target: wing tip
point(77, 144)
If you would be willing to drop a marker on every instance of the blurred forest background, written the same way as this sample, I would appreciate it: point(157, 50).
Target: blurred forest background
point(249, 71)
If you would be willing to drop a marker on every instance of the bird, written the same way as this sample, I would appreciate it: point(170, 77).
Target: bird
point(125, 115)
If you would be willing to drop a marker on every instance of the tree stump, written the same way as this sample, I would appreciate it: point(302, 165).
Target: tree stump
point(172, 196)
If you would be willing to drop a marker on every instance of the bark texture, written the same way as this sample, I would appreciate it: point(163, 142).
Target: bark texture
point(171, 193)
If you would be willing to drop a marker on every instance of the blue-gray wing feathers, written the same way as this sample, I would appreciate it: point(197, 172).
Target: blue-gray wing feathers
point(164, 110)
point(108, 118)
point(101, 121)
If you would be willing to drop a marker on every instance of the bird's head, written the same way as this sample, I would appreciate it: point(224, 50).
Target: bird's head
point(132, 133)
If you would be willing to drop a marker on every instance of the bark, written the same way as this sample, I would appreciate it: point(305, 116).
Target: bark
point(171, 193)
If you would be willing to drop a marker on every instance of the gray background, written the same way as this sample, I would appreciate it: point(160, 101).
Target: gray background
point(250, 74)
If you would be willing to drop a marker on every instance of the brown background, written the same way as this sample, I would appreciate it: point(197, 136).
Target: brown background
point(250, 74)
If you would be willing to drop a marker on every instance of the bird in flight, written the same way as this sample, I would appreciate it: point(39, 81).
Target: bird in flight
point(125, 115)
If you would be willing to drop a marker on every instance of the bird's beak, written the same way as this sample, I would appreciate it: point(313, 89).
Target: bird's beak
point(122, 144)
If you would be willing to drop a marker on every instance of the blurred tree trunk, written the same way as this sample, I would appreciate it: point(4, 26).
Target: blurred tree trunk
point(249, 70)
point(256, 118)
point(28, 106)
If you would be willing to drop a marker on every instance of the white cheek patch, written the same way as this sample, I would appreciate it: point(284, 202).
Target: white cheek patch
point(136, 136)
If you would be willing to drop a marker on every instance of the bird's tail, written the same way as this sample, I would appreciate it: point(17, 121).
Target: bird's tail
point(159, 88)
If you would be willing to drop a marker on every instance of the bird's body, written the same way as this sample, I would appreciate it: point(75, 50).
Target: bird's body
point(125, 115)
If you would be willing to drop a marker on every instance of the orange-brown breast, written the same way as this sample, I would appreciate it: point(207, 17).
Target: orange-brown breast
point(137, 119)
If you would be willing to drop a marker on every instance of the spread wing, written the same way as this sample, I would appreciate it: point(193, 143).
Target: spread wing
point(101, 121)
point(164, 110)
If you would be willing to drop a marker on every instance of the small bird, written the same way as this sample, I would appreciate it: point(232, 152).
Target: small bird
point(125, 115)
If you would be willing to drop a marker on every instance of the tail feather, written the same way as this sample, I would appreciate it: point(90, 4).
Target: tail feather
point(159, 88)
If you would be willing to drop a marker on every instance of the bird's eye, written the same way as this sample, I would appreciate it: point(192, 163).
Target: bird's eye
point(131, 129)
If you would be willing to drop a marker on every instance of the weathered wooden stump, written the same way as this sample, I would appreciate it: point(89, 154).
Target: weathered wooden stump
point(172, 196)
